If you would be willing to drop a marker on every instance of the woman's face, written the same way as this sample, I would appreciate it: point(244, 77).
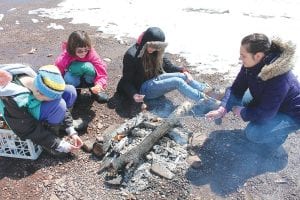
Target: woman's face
point(249, 59)
point(81, 52)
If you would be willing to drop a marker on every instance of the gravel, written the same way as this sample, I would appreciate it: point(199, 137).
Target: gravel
point(229, 168)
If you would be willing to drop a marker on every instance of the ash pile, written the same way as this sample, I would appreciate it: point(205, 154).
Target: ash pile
point(142, 150)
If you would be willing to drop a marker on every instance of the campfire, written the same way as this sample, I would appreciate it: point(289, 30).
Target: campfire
point(142, 147)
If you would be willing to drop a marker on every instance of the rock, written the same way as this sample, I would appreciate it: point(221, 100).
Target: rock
point(162, 171)
point(115, 181)
point(100, 125)
point(198, 139)
point(108, 60)
point(194, 161)
point(54, 197)
point(98, 149)
point(88, 146)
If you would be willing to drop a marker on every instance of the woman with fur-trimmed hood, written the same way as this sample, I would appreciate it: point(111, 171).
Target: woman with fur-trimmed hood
point(148, 74)
point(265, 93)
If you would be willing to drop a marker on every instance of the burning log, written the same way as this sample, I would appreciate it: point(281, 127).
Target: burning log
point(101, 146)
point(133, 156)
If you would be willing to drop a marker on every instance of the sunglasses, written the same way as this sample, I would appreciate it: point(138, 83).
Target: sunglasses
point(82, 50)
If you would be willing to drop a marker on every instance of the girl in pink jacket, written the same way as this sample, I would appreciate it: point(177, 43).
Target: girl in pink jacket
point(81, 66)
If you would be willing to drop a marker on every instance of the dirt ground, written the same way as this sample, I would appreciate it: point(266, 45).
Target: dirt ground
point(230, 169)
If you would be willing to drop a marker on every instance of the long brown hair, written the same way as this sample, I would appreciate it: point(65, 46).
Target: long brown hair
point(153, 62)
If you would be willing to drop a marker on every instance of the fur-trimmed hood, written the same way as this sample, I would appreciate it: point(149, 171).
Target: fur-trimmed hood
point(283, 64)
point(157, 45)
point(152, 34)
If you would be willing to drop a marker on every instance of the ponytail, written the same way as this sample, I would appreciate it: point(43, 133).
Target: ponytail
point(274, 48)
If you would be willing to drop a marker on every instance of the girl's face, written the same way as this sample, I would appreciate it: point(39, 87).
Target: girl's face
point(249, 59)
point(150, 50)
point(81, 52)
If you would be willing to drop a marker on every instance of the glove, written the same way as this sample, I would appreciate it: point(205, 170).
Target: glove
point(64, 147)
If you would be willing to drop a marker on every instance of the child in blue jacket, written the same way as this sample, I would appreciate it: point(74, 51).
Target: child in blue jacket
point(35, 106)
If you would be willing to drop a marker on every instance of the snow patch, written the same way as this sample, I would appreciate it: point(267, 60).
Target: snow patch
point(55, 26)
point(12, 9)
point(35, 20)
point(207, 33)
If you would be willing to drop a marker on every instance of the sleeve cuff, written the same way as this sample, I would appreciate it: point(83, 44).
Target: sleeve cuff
point(71, 131)
point(184, 70)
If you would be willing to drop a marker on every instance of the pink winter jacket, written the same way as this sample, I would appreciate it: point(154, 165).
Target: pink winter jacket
point(64, 60)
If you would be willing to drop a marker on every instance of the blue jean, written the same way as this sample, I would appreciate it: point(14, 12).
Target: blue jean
point(54, 111)
point(76, 80)
point(164, 83)
point(272, 132)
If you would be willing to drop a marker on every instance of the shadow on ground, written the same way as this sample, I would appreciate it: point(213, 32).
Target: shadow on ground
point(228, 160)
point(16, 168)
point(161, 107)
point(127, 109)
point(83, 107)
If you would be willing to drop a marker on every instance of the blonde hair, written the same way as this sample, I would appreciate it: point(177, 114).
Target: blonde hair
point(153, 62)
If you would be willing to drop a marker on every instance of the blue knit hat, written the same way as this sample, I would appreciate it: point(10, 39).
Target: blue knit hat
point(50, 82)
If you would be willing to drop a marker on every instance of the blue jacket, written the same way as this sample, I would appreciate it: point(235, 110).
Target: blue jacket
point(21, 110)
point(272, 84)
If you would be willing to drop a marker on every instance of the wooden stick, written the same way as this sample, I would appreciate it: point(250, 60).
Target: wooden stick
point(101, 148)
point(134, 155)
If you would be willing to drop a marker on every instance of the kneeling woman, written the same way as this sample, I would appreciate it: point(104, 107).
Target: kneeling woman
point(265, 93)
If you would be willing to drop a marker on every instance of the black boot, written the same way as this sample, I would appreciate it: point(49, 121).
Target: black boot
point(79, 124)
point(78, 91)
point(101, 97)
point(55, 129)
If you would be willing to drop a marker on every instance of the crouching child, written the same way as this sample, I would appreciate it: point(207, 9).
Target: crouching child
point(36, 107)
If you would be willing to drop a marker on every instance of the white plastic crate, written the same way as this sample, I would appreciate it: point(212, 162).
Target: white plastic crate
point(12, 146)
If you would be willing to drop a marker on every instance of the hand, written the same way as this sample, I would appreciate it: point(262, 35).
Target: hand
point(144, 107)
point(77, 142)
point(237, 110)
point(97, 89)
point(188, 76)
point(216, 114)
point(138, 98)
point(5, 77)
